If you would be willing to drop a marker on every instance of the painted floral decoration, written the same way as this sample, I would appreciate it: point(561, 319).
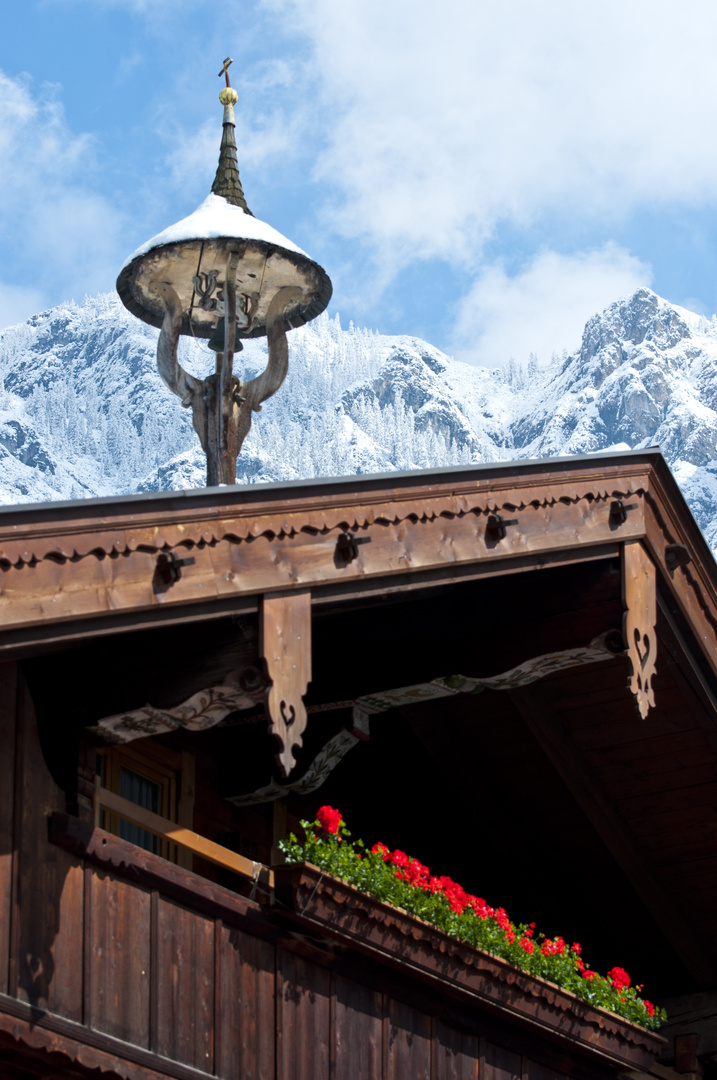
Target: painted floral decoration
point(400, 880)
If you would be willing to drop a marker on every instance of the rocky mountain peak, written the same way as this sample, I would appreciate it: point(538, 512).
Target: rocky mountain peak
point(84, 412)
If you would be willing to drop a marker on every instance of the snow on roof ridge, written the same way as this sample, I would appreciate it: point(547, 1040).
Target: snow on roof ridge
point(215, 218)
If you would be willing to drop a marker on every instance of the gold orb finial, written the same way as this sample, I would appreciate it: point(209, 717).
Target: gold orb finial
point(228, 96)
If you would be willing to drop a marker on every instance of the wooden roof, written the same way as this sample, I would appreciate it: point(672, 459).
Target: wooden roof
point(559, 781)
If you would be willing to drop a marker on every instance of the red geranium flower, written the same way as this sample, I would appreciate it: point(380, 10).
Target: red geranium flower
point(619, 978)
point(483, 910)
point(527, 945)
point(379, 847)
point(649, 1007)
point(589, 975)
point(329, 819)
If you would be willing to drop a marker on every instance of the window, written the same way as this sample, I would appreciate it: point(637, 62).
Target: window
point(157, 779)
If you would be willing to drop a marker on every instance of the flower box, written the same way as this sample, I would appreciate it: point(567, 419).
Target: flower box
point(397, 939)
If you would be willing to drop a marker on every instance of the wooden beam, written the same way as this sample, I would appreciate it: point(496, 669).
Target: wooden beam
point(185, 838)
point(45, 1035)
point(285, 645)
point(301, 555)
point(639, 593)
point(579, 779)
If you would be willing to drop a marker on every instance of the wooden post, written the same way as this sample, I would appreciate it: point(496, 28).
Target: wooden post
point(285, 629)
point(639, 588)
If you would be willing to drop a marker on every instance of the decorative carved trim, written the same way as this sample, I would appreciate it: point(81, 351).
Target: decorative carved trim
point(211, 706)
point(639, 582)
point(164, 531)
point(285, 630)
point(202, 710)
point(326, 760)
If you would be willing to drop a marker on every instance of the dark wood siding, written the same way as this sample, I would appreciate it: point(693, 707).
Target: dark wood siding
point(120, 958)
point(47, 916)
point(183, 982)
point(8, 721)
point(357, 1030)
point(303, 1016)
point(245, 1005)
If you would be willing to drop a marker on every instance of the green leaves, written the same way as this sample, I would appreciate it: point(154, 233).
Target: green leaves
point(403, 882)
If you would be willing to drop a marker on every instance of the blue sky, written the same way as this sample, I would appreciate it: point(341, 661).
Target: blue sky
point(484, 176)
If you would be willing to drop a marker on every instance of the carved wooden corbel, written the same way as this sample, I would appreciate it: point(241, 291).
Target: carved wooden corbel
point(639, 588)
point(285, 644)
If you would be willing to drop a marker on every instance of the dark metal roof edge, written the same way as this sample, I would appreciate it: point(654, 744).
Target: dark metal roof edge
point(296, 488)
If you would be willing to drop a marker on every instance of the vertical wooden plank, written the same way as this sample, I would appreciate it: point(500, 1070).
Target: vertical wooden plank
point(185, 808)
point(501, 1064)
point(303, 1003)
point(541, 1072)
point(279, 831)
point(120, 958)
point(185, 985)
point(357, 1030)
point(8, 722)
point(456, 1054)
point(155, 970)
point(87, 949)
point(245, 1013)
point(49, 889)
point(409, 1043)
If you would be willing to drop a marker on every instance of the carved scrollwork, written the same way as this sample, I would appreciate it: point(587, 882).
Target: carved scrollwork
point(286, 649)
point(204, 286)
point(640, 598)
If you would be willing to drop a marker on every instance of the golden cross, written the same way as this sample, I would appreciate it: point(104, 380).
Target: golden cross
point(225, 72)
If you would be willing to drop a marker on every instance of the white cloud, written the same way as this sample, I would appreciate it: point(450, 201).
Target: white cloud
point(55, 230)
point(18, 303)
point(544, 307)
point(443, 119)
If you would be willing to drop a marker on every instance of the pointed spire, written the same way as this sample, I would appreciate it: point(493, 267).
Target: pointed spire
point(226, 182)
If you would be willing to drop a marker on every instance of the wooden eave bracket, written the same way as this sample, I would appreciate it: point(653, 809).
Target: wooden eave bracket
point(639, 588)
point(285, 645)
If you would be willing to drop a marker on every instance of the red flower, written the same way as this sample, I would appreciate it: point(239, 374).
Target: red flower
point(619, 978)
point(576, 947)
point(399, 859)
point(589, 975)
point(379, 847)
point(414, 872)
point(456, 895)
point(509, 937)
point(527, 945)
point(329, 819)
point(579, 964)
point(501, 917)
point(553, 948)
point(649, 1007)
point(483, 910)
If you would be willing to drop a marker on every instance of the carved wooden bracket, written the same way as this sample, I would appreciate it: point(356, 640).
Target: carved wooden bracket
point(285, 644)
point(639, 588)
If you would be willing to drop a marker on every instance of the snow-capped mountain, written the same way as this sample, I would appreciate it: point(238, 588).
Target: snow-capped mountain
point(83, 410)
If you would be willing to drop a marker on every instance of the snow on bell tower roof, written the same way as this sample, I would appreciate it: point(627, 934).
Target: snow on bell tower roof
point(192, 255)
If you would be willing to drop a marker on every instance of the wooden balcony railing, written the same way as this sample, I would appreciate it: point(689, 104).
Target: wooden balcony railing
point(177, 834)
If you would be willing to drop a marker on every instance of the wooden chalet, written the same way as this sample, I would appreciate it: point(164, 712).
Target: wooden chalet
point(508, 671)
